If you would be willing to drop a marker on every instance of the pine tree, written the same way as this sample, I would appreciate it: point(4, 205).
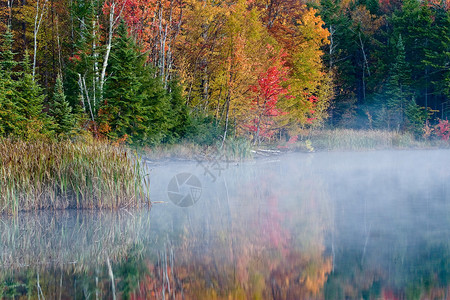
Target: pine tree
point(62, 111)
point(30, 101)
point(341, 60)
point(9, 112)
point(30, 95)
point(124, 102)
point(179, 117)
point(158, 108)
point(413, 23)
point(397, 90)
point(136, 105)
point(438, 56)
point(8, 63)
point(416, 117)
point(79, 113)
point(85, 59)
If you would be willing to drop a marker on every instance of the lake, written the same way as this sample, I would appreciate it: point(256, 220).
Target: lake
point(340, 225)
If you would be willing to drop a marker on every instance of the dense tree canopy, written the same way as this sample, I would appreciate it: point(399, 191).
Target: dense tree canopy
point(152, 71)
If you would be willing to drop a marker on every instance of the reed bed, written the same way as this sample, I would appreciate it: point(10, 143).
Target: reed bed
point(58, 175)
point(359, 140)
point(232, 149)
point(175, 151)
point(237, 149)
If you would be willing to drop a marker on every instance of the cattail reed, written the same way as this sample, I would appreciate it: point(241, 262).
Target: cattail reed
point(58, 175)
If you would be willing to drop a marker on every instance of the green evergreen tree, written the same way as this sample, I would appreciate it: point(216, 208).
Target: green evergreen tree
point(157, 103)
point(30, 95)
point(382, 116)
point(438, 57)
point(136, 104)
point(355, 55)
point(397, 93)
point(85, 61)
point(339, 58)
point(9, 112)
point(30, 101)
point(7, 55)
point(7, 108)
point(416, 117)
point(179, 114)
point(413, 22)
point(126, 113)
point(62, 111)
point(81, 118)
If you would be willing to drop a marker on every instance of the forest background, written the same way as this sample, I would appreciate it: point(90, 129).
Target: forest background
point(146, 72)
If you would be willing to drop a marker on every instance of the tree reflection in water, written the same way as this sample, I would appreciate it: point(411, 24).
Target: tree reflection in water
point(323, 232)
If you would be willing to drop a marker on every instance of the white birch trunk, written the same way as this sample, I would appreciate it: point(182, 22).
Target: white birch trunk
point(108, 45)
point(112, 25)
point(37, 24)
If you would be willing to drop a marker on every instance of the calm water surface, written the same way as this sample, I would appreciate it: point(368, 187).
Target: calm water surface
point(368, 225)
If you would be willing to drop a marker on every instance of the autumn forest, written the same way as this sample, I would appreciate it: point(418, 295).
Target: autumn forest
point(163, 71)
point(126, 128)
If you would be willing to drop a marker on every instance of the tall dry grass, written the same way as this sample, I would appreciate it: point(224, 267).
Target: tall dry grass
point(58, 175)
point(232, 149)
point(358, 140)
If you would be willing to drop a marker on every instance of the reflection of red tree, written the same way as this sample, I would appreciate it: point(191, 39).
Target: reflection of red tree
point(389, 295)
point(255, 257)
point(431, 293)
point(299, 276)
point(293, 274)
point(272, 231)
point(159, 281)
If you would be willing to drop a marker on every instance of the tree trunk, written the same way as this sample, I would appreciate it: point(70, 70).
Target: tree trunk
point(37, 24)
point(10, 4)
point(108, 46)
point(226, 120)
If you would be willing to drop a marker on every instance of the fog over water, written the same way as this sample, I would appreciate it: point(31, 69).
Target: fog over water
point(298, 226)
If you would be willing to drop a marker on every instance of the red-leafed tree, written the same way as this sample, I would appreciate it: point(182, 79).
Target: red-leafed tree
point(154, 24)
point(265, 96)
point(443, 130)
point(136, 13)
